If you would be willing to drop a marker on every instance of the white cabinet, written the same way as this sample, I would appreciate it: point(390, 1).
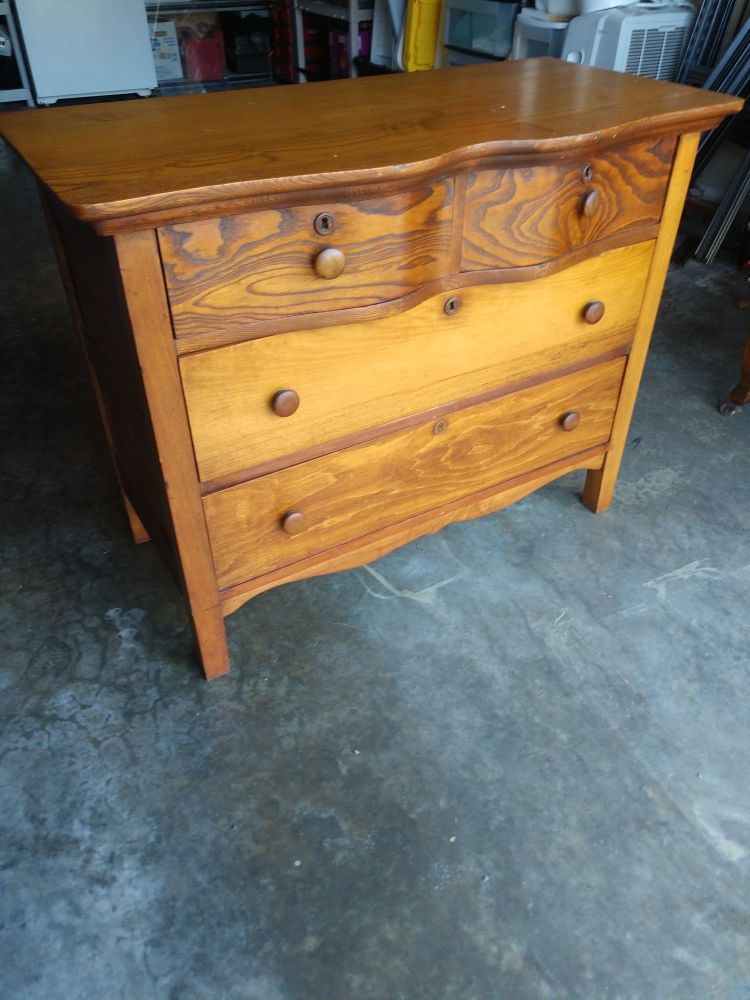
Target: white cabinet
point(86, 48)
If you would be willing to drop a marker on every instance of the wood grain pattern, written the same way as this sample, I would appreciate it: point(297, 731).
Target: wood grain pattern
point(222, 274)
point(600, 485)
point(205, 339)
point(116, 163)
point(378, 543)
point(354, 492)
point(525, 215)
point(350, 378)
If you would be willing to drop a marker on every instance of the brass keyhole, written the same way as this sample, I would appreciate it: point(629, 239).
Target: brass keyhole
point(440, 427)
point(452, 305)
point(324, 224)
point(587, 173)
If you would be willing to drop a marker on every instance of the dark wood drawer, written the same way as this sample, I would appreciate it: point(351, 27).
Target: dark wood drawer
point(526, 215)
point(224, 274)
point(288, 515)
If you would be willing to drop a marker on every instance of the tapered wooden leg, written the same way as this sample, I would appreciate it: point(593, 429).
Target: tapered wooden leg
point(140, 535)
point(211, 641)
point(599, 489)
point(151, 326)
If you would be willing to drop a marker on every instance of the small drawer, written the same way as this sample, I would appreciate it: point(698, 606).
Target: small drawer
point(275, 397)
point(283, 517)
point(527, 215)
point(224, 274)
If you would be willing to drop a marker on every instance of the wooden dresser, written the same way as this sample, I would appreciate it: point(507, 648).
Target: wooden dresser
point(324, 320)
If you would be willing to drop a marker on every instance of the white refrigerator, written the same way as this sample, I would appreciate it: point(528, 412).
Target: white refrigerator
point(86, 48)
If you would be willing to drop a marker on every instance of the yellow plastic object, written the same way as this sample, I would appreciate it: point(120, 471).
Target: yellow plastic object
point(420, 37)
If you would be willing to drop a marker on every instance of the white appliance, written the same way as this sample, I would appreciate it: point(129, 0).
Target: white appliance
point(86, 48)
point(535, 35)
point(643, 39)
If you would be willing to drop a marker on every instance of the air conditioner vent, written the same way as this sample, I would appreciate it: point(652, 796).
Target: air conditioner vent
point(655, 52)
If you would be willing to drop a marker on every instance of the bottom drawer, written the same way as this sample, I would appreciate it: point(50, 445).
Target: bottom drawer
point(277, 519)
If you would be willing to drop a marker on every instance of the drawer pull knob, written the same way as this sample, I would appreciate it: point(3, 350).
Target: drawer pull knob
point(329, 263)
point(285, 402)
point(452, 305)
point(590, 203)
point(569, 421)
point(593, 312)
point(293, 522)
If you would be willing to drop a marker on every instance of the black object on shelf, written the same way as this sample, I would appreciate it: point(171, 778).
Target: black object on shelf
point(702, 49)
point(367, 68)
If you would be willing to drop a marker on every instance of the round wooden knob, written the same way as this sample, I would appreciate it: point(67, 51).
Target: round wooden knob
point(329, 263)
point(593, 312)
point(293, 522)
point(569, 421)
point(590, 203)
point(285, 402)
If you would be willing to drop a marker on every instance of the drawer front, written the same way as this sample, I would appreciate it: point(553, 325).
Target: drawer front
point(286, 516)
point(348, 379)
point(527, 215)
point(223, 274)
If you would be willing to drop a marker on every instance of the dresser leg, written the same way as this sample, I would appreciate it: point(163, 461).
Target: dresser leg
point(211, 642)
point(137, 530)
point(600, 485)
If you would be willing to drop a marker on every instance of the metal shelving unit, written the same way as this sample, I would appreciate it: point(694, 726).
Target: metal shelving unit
point(351, 13)
point(155, 8)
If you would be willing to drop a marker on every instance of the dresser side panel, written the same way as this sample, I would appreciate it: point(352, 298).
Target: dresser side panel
point(107, 342)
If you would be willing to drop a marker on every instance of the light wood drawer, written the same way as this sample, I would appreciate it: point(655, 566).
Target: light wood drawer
point(353, 492)
point(353, 378)
point(526, 215)
point(223, 274)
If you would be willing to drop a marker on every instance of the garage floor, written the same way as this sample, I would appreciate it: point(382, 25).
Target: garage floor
point(509, 761)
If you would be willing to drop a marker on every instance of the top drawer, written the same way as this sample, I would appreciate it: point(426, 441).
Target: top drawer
point(224, 274)
point(526, 215)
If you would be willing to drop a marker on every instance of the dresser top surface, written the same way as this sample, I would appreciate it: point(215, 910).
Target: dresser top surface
point(123, 160)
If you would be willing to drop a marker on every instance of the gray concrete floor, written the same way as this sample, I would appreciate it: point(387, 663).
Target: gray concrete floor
point(507, 762)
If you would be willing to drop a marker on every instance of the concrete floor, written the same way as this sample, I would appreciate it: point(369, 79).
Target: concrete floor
point(508, 762)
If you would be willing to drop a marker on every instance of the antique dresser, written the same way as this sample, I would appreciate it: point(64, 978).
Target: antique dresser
point(324, 320)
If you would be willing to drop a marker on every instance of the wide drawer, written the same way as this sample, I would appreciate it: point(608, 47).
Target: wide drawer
point(223, 274)
point(280, 518)
point(526, 215)
point(353, 378)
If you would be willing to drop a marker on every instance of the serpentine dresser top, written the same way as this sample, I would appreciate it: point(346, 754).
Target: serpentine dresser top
point(324, 320)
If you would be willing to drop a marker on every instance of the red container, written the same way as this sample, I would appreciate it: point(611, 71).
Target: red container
point(204, 58)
